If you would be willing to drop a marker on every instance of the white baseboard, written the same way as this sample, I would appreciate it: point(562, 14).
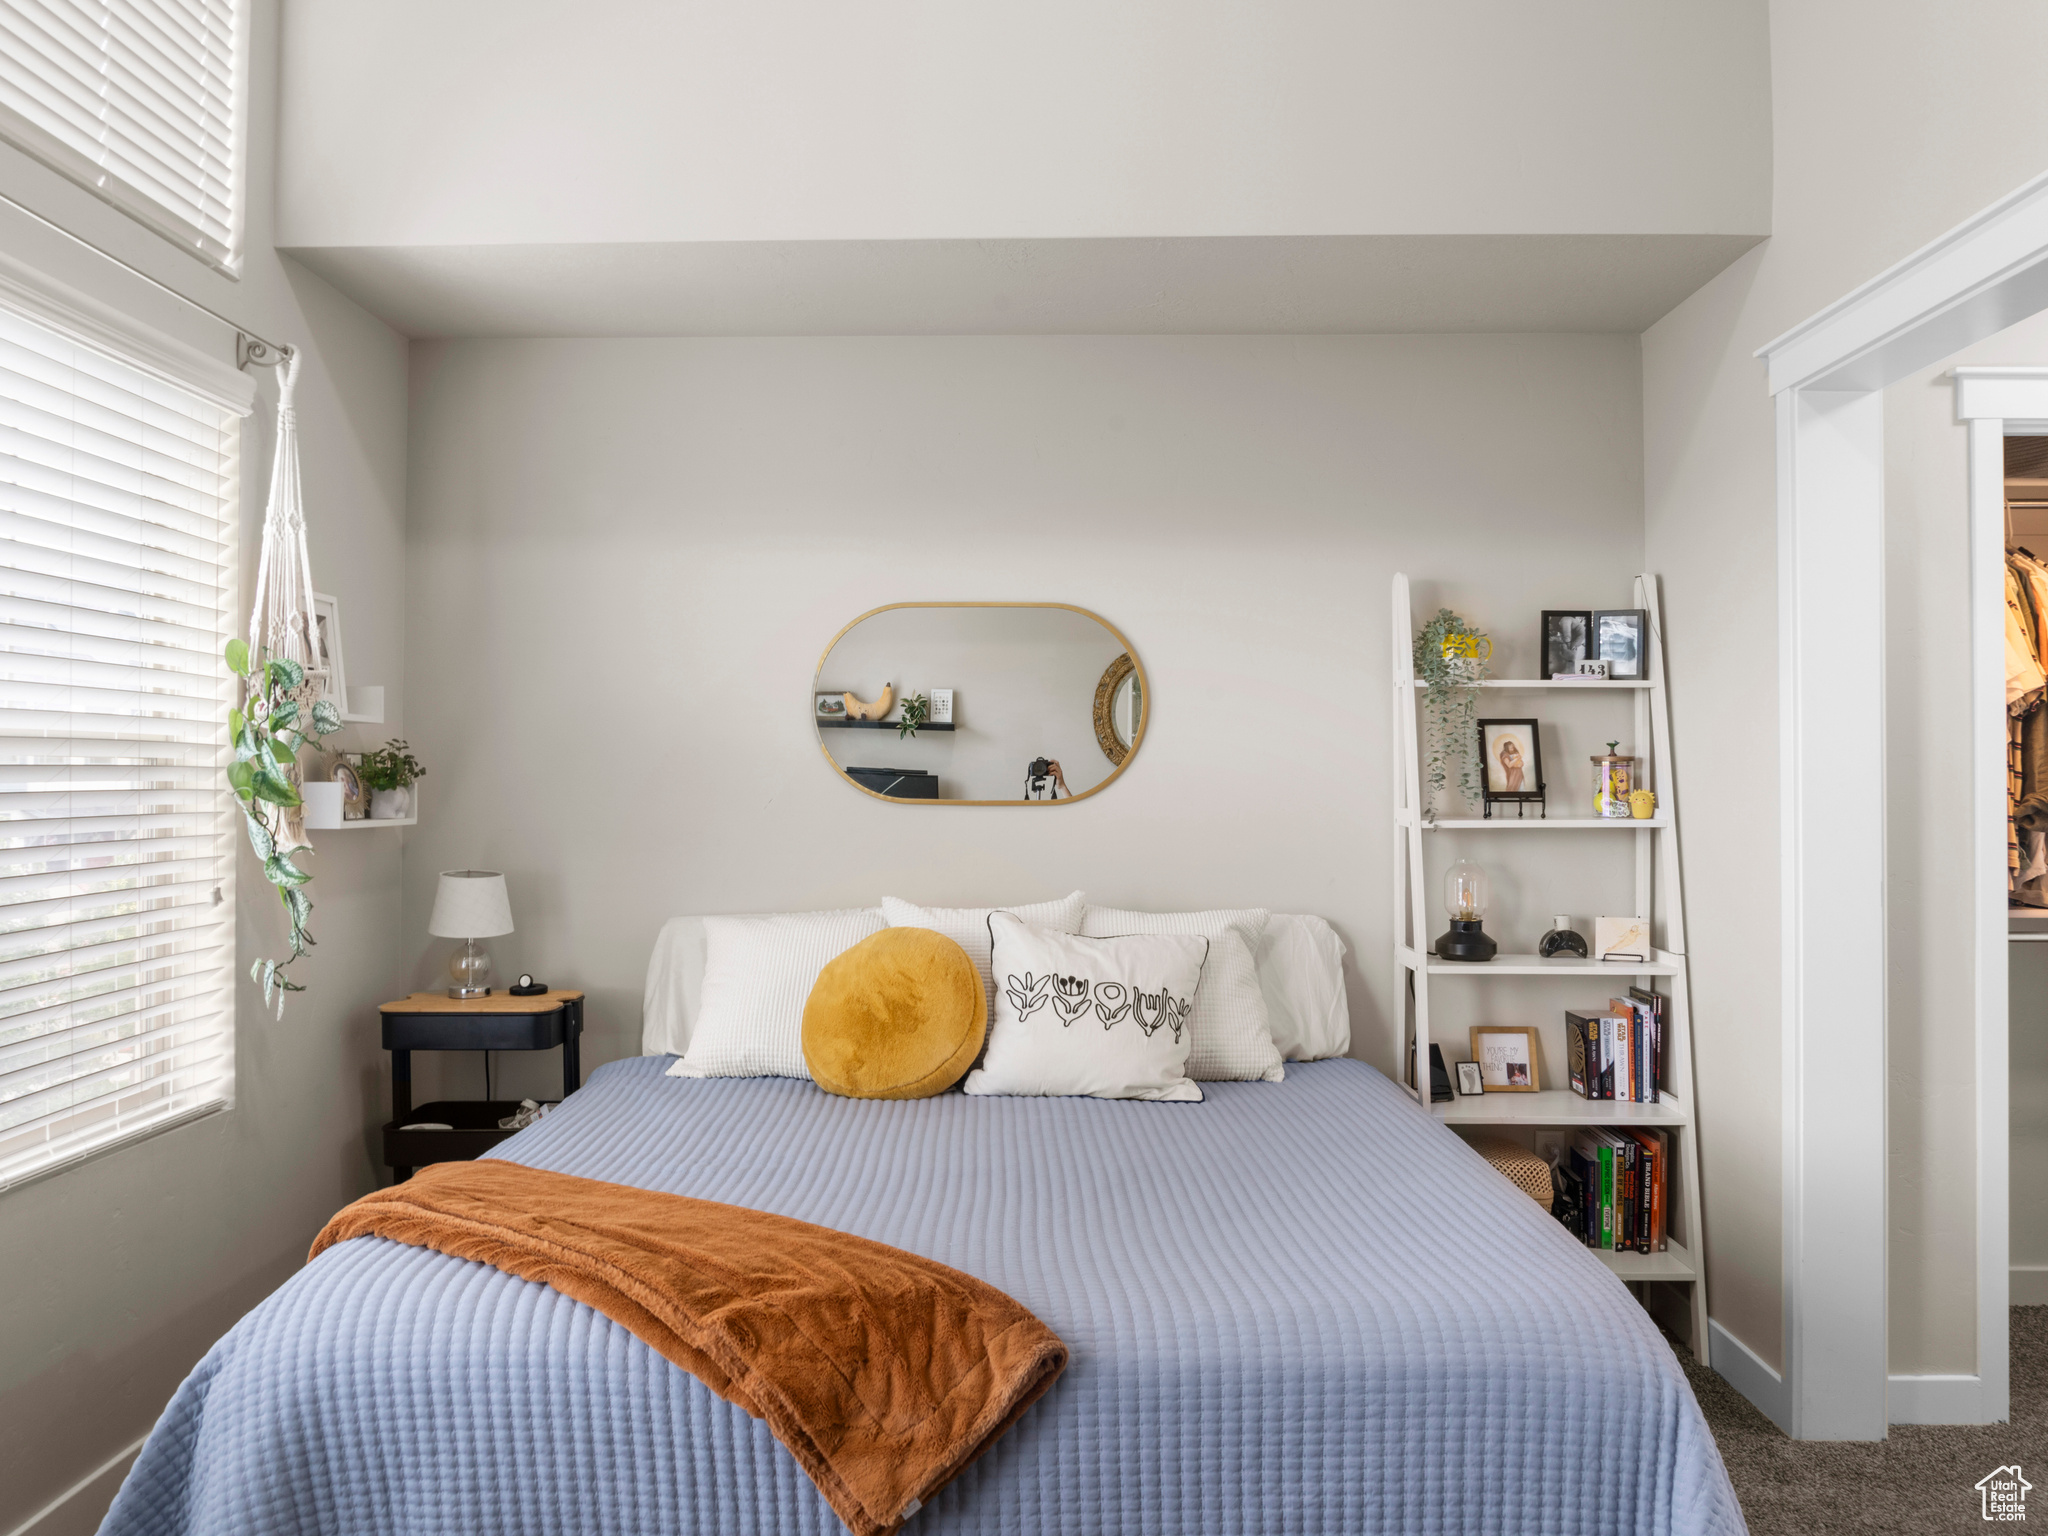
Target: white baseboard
point(2029, 1286)
point(1740, 1367)
point(82, 1506)
point(1935, 1399)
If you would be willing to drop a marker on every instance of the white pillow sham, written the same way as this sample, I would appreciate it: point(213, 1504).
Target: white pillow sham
point(1109, 1018)
point(968, 926)
point(1232, 1039)
point(758, 974)
point(1301, 969)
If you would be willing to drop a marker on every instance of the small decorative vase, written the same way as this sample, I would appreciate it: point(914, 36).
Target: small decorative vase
point(1562, 942)
point(1642, 803)
point(391, 804)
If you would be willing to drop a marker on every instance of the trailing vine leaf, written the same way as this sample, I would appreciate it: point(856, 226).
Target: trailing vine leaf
point(268, 730)
point(1450, 704)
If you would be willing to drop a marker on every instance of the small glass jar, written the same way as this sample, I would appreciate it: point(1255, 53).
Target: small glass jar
point(1614, 777)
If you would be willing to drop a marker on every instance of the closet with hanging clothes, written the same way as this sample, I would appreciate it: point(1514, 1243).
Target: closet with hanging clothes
point(2026, 670)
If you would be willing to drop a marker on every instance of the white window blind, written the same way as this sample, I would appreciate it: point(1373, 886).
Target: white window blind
point(134, 99)
point(117, 496)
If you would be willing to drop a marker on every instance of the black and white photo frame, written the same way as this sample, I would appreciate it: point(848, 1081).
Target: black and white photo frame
point(1567, 640)
point(1621, 638)
point(1470, 1083)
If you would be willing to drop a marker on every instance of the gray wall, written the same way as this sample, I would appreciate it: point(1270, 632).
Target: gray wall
point(120, 1273)
point(627, 557)
point(1880, 147)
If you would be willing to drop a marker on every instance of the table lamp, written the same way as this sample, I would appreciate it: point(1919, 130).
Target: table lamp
point(470, 905)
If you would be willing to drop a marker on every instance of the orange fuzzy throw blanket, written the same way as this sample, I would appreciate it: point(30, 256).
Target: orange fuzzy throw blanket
point(883, 1373)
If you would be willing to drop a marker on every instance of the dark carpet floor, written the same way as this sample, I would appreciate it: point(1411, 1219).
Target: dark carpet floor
point(1919, 1482)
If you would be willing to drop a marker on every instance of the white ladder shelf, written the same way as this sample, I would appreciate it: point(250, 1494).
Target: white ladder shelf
point(1659, 899)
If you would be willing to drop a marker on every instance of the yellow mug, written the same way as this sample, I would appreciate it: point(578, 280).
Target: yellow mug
point(1476, 647)
point(1642, 804)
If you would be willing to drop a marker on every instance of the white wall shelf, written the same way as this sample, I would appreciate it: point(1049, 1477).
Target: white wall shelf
point(368, 824)
point(1546, 824)
point(1662, 963)
point(1658, 899)
point(1609, 685)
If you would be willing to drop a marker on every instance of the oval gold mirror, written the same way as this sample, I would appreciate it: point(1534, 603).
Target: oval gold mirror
point(979, 703)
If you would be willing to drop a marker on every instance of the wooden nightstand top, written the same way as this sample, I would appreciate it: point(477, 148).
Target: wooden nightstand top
point(500, 1001)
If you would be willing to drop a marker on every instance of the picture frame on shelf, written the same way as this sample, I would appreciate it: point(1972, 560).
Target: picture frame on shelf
point(1511, 763)
point(829, 706)
point(1470, 1083)
point(1621, 940)
point(1508, 1057)
point(355, 795)
point(334, 677)
point(1621, 638)
point(1567, 640)
point(942, 706)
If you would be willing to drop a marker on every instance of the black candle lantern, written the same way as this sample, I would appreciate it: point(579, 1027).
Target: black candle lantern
point(1465, 892)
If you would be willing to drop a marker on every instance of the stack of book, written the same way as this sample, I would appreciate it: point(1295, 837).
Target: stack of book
point(1618, 1054)
point(1608, 1188)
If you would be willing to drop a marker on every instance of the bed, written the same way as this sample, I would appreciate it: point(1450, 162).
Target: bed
point(1295, 1307)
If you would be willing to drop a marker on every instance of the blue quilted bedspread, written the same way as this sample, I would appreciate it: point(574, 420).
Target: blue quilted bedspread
point(1297, 1306)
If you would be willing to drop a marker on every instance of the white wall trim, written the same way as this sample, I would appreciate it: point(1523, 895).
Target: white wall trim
point(1974, 281)
point(1989, 272)
point(1936, 1399)
point(126, 1453)
point(1740, 1366)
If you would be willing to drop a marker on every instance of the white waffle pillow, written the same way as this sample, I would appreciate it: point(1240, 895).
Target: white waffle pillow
point(968, 926)
point(1233, 1041)
point(758, 974)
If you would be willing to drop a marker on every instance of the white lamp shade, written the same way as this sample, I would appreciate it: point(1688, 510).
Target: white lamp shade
point(471, 904)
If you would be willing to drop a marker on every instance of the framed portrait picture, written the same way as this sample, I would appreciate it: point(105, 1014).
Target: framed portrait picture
point(327, 620)
point(1512, 762)
point(1506, 1057)
point(1567, 640)
point(830, 706)
point(1469, 1080)
point(355, 795)
point(1621, 639)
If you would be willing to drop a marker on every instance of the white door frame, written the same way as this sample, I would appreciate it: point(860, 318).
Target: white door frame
point(1828, 376)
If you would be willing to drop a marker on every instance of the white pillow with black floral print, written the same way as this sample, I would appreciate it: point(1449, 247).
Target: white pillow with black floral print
point(1103, 1017)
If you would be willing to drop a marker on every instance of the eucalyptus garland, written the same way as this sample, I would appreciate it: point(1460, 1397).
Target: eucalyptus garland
point(1450, 703)
point(278, 717)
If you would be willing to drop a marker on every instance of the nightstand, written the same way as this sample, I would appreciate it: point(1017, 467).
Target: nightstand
point(433, 1021)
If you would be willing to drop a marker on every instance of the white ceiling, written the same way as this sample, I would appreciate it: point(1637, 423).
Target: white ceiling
point(1198, 285)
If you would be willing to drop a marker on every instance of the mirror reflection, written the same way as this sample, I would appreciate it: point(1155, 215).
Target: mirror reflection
point(979, 703)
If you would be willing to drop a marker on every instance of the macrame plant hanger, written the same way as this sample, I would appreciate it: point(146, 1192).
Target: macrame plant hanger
point(281, 620)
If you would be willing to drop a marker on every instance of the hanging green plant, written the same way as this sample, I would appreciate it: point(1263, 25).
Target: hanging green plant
point(1450, 657)
point(276, 720)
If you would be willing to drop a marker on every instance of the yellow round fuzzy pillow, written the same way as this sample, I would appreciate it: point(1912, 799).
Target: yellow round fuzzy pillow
point(899, 1016)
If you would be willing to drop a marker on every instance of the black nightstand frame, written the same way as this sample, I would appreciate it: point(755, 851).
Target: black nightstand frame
point(501, 1022)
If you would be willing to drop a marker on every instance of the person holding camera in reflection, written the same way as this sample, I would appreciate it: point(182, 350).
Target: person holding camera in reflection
point(1044, 775)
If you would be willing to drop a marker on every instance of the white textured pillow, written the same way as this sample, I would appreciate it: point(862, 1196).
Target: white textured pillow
point(1104, 1017)
point(1301, 969)
point(758, 974)
point(1233, 1042)
point(968, 926)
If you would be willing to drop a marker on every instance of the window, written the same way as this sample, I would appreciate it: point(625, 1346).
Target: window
point(117, 498)
point(134, 99)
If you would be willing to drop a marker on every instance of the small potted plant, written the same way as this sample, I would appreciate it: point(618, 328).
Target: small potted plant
point(388, 774)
